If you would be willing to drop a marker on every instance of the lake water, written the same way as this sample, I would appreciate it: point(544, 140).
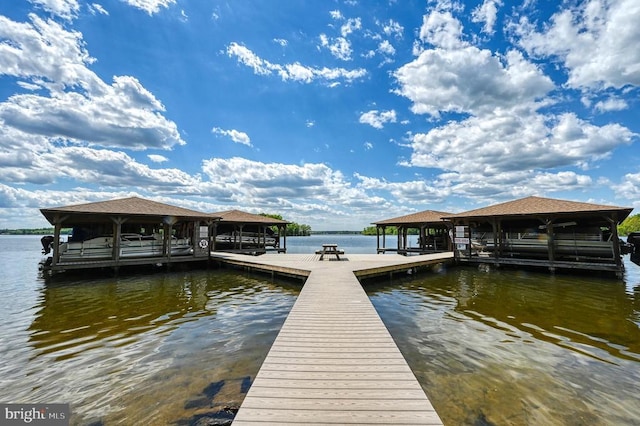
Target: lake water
point(488, 346)
point(137, 349)
point(496, 347)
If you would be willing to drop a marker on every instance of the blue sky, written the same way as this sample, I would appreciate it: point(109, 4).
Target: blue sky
point(334, 114)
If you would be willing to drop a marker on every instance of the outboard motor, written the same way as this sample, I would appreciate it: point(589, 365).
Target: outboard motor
point(46, 244)
point(633, 239)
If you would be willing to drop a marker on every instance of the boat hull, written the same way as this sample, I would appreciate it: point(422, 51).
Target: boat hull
point(131, 246)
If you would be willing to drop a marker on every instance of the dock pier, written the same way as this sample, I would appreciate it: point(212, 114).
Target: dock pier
point(334, 361)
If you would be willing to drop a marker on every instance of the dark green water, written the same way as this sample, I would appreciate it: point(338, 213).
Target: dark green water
point(520, 348)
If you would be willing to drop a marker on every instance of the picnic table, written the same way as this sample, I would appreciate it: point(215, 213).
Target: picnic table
point(330, 249)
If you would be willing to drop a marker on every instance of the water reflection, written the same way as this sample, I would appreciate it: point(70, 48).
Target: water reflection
point(578, 314)
point(513, 347)
point(149, 349)
point(119, 309)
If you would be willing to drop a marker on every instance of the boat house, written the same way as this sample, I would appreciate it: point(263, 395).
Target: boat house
point(432, 233)
point(122, 232)
point(242, 232)
point(545, 232)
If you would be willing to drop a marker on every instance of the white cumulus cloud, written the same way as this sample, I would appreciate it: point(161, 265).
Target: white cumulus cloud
point(235, 135)
point(295, 71)
point(74, 104)
point(66, 9)
point(487, 13)
point(596, 41)
point(150, 6)
point(378, 119)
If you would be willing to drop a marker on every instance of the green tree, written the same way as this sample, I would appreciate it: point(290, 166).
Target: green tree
point(629, 225)
point(371, 230)
point(293, 229)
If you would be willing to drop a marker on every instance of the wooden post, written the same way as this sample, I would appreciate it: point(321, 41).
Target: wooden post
point(284, 233)
point(497, 246)
point(195, 235)
point(169, 240)
point(117, 232)
point(405, 230)
point(469, 231)
point(212, 235)
point(550, 244)
point(452, 240)
point(168, 223)
point(377, 239)
point(384, 237)
point(55, 258)
point(613, 223)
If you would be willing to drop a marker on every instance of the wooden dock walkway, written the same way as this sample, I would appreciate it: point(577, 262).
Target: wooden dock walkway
point(334, 362)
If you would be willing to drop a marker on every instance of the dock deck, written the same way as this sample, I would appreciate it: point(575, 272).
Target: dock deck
point(334, 361)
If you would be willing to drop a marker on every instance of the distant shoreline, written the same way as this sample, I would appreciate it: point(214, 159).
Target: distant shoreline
point(336, 232)
point(64, 231)
point(38, 231)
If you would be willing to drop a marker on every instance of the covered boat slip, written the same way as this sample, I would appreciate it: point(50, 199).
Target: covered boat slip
point(545, 232)
point(432, 233)
point(242, 232)
point(123, 232)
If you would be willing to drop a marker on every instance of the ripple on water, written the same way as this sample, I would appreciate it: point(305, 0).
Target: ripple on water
point(137, 349)
point(513, 347)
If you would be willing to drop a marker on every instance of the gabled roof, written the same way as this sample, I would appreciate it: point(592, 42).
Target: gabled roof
point(541, 206)
point(238, 216)
point(427, 216)
point(132, 206)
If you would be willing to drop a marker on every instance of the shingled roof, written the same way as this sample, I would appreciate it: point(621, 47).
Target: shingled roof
point(238, 216)
point(539, 206)
point(132, 206)
point(427, 216)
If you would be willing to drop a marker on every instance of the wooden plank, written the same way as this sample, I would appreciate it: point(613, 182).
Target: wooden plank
point(299, 356)
point(339, 393)
point(349, 385)
point(373, 359)
point(252, 416)
point(374, 376)
point(338, 367)
point(333, 404)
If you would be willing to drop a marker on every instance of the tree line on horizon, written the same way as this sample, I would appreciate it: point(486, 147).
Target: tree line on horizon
point(293, 229)
point(629, 225)
point(389, 230)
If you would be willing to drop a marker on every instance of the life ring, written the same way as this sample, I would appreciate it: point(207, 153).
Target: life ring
point(203, 244)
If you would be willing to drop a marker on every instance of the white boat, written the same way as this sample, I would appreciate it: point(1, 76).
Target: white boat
point(249, 239)
point(568, 245)
point(131, 245)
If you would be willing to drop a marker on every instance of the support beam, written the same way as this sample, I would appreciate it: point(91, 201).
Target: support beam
point(613, 224)
point(117, 232)
point(550, 244)
point(213, 233)
point(56, 244)
point(384, 237)
point(497, 239)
